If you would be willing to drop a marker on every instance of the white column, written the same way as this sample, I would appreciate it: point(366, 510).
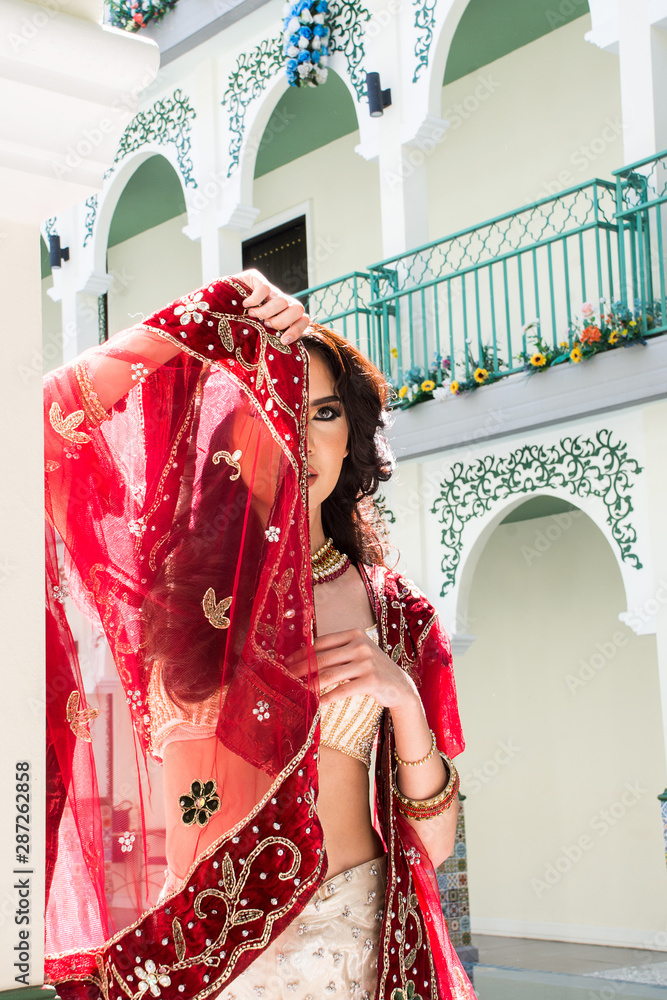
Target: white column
point(637, 31)
point(402, 137)
point(21, 610)
point(656, 473)
point(41, 69)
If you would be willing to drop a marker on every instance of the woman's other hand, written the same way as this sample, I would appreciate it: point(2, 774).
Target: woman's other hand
point(273, 307)
point(356, 665)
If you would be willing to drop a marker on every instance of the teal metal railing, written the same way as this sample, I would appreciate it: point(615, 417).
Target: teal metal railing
point(346, 304)
point(480, 296)
point(641, 197)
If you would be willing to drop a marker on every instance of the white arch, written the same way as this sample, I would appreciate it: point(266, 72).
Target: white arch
point(111, 193)
point(637, 584)
point(448, 14)
point(238, 193)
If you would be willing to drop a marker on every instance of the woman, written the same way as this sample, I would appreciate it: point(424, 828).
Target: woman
point(189, 509)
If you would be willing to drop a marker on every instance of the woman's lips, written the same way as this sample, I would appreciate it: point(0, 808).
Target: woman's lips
point(311, 473)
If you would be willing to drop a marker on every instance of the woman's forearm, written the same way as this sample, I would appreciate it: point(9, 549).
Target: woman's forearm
point(112, 377)
point(413, 742)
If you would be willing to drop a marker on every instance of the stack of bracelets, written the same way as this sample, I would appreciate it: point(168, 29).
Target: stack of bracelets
point(427, 808)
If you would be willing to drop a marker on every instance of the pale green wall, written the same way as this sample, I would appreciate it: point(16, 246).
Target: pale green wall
point(573, 746)
point(345, 205)
point(528, 118)
point(151, 270)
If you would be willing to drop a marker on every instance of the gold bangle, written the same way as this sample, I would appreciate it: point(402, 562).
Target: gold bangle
point(421, 809)
point(416, 763)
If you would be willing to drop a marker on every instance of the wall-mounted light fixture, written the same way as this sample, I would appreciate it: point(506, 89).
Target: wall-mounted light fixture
point(56, 254)
point(378, 99)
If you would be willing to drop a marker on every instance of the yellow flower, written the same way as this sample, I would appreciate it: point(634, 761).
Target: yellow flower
point(428, 385)
point(403, 391)
point(632, 323)
point(538, 360)
point(454, 387)
point(575, 355)
point(394, 352)
point(564, 343)
point(623, 332)
point(481, 375)
point(613, 337)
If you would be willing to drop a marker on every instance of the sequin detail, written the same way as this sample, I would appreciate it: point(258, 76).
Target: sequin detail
point(317, 955)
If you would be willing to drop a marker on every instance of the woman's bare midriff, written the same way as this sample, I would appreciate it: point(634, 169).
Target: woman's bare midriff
point(343, 804)
point(343, 807)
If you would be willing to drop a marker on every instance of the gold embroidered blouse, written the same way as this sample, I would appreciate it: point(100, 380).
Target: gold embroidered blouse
point(349, 725)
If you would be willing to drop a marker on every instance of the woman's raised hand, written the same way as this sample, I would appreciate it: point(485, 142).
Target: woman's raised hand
point(352, 660)
point(273, 307)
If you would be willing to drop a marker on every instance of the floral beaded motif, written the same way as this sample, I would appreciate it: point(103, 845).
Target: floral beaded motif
point(150, 980)
point(192, 308)
point(199, 805)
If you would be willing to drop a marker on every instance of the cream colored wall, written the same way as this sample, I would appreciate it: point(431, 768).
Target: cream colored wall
point(52, 332)
point(560, 706)
point(344, 215)
point(149, 271)
point(543, 118)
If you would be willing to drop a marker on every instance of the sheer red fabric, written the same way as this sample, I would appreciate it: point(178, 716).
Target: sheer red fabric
point(183, 513)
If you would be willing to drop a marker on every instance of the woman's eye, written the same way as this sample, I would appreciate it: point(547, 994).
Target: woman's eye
point(328, 413)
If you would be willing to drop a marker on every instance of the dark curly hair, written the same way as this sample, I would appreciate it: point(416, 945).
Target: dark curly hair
point(349, 514)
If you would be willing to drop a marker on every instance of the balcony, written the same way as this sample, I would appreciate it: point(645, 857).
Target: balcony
point(472, 309)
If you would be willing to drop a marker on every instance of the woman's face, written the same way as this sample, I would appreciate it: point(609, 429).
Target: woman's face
point(327, 431)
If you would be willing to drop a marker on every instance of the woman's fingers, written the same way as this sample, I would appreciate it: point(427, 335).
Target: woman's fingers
point(343, 691)
point(273, 307)
point(323, 643)
point(260, 288)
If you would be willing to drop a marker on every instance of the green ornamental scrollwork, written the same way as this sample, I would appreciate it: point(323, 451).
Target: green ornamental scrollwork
point(252, 72)
point(424, 23)
point(255, 68)
point(167, 122)
point(586, 467)
point(347, 36)
point(91, 212)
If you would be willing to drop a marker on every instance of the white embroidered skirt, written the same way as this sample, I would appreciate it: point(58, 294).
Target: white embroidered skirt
point(331, 949)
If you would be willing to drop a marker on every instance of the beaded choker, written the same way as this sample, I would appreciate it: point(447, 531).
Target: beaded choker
point(328, 563)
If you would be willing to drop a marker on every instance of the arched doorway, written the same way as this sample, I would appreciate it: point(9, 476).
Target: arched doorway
point(306, 156)
point(560, 707)
point(150, 259)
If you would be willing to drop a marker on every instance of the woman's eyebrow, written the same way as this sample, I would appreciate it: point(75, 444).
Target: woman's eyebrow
point(324, 399)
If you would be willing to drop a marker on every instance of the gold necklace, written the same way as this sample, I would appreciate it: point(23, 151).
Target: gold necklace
point(328, 563)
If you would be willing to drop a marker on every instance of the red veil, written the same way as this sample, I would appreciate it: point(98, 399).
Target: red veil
point(183, 513)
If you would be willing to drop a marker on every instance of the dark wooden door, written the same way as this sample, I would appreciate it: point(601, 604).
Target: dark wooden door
point(281, 255)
